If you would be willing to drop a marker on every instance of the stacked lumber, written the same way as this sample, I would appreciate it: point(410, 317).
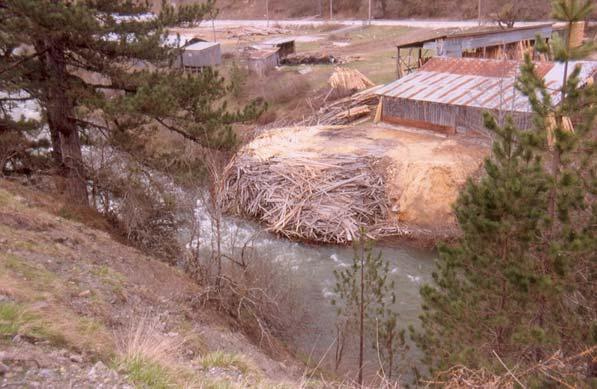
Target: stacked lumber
point(347, 79)
point(346, 110)
point(324, 199)
point(248, 31)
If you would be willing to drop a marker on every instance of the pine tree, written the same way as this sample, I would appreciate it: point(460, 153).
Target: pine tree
point(365, 295)
point(479, 299)
point(520, 283)
point(103, 65)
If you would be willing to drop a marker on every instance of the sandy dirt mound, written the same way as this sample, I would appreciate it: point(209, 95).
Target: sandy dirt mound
point(423, 171)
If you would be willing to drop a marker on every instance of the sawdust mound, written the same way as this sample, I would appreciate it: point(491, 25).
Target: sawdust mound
point(326, 199)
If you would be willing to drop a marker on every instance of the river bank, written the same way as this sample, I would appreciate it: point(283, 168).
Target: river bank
point(311, 267)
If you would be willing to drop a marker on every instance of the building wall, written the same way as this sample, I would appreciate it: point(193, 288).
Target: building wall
point(210, 56)
point(448, 119)
point(261, 66)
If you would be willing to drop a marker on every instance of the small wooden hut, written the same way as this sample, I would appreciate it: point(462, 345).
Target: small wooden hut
point(199, 55)
point(260, 61)
point(285, 46)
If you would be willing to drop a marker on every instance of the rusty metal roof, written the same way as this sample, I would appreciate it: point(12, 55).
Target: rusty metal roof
point(481, 83)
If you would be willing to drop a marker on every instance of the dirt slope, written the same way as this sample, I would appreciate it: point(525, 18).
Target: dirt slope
point(78, 308)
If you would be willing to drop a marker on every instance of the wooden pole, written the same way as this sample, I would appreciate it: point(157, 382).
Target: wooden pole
point(213, 28)
point(479, 10)
point(370, 9)
point(398, 65)
point(331, 9)
point(267, 11)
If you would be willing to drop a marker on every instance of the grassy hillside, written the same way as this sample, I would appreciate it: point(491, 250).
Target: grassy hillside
point(78, 308)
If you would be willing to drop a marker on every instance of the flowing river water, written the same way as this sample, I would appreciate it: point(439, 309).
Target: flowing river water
point(313, 266)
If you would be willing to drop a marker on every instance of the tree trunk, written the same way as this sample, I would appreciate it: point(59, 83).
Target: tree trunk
point(63, 129)
point(362, 314)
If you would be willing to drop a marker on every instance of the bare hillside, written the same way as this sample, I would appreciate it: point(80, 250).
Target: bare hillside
point(389, 9)
point(78, 309)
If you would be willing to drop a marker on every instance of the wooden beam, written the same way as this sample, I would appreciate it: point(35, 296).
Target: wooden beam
point(447, 130)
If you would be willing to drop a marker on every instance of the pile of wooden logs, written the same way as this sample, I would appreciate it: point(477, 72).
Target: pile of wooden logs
point(346, 111)
point(325, 199)
point(350, 80)
point(248, 31)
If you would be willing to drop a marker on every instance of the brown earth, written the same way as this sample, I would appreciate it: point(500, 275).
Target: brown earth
point(424, 172)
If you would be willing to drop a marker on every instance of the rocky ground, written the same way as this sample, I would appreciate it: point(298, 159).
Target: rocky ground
point(39, 365)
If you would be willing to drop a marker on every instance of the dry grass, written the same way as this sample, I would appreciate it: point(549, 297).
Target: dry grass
point(554, 371)
point(147, 356)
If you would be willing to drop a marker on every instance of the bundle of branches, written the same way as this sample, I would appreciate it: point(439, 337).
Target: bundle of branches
point(346, 110)
point(327, 199)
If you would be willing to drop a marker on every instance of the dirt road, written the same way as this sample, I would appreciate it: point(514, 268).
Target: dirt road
point(419, 23)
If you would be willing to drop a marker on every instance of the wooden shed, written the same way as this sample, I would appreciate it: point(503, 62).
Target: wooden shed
point(260, 61)
point(478, 42)
point(449, 95)
point(285, 46)
point(201, 54)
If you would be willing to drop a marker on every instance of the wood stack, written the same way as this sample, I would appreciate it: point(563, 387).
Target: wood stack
point(347, 110)
point(346, 79)
point(325, 199)
point(247, 31)
point(577, 34)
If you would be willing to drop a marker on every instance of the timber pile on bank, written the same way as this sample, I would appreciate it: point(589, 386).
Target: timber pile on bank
point(348, 110)
point(325, 199)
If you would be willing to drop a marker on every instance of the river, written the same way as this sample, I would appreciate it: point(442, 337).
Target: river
point(313, 265)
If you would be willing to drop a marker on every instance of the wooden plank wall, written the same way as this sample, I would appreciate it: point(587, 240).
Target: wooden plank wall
point(444, 118)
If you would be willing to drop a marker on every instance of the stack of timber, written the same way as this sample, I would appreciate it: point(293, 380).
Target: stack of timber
point(348, 110)
point(347, 79)
point(248, 31)
point(324, 199)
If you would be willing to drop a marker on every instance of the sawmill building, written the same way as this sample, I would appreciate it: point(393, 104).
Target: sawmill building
point(414, 49)
point(449, 95)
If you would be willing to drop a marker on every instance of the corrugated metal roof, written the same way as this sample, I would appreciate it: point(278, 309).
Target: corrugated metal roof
point(260, 54)
point(201, 45)
point(481, 31)
point(278, 41)
point(419, 37)
point(482, 83)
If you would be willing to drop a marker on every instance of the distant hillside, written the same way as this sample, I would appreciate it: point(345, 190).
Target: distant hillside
point(456, 9)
